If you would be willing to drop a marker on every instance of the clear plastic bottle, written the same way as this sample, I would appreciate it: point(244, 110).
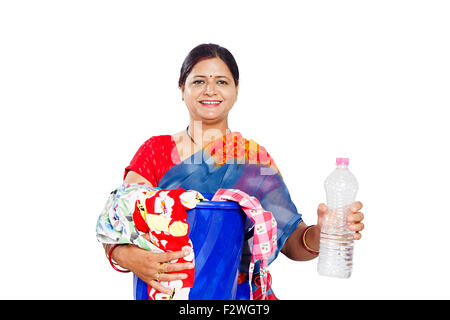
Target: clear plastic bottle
point(336, 240)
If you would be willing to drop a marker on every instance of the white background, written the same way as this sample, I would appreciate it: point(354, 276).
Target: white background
point(84, 83)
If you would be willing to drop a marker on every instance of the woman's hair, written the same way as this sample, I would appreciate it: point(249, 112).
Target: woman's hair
point(207, 51)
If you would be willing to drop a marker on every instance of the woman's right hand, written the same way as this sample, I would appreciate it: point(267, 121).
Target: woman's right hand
point(146, 265)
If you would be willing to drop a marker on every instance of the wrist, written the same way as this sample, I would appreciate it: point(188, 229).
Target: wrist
point(115, 254)
point(310, 239)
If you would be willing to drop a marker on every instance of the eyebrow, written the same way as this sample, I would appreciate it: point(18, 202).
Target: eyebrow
point(201, 76)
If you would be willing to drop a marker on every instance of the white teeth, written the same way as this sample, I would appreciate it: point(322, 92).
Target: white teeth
point(210, 102)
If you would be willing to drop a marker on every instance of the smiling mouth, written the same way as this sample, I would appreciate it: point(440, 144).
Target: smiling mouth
point(210, 103)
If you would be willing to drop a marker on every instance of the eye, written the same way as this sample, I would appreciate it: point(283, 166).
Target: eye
point(197, 82)
point(222, 82)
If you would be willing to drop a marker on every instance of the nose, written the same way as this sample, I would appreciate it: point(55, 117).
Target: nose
point(210, 88)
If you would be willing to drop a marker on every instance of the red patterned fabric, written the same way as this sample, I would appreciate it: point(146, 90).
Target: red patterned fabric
point(162, 214)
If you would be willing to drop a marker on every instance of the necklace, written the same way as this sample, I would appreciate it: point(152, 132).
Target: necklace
point(187, 132)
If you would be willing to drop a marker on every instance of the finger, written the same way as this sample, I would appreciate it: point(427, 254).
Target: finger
point(356, 206)
point(173, 267)
point(356, 227)
point(322, 208)
point(357, 236)
point(172, 276)
point(355, 217)
point(159, 287)
point(170, 256)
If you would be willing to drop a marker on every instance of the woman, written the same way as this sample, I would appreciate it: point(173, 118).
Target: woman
point(207, 156)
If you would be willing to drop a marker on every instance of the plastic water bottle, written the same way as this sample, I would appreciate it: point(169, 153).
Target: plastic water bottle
point(336, 240)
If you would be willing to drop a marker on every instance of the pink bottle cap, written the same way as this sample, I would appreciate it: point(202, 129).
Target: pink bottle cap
point(342, 161)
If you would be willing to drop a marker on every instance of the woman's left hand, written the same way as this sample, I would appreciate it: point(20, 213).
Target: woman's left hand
point(354, 219)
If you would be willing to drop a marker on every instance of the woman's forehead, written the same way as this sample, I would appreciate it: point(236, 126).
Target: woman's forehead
point(210, 67)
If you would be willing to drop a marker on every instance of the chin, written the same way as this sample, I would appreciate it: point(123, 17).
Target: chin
point(212, 115)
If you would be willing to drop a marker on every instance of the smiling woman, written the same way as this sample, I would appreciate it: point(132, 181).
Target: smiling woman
point(207, 157)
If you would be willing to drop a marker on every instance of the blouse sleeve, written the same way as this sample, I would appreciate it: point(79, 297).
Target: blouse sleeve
point(143, 162)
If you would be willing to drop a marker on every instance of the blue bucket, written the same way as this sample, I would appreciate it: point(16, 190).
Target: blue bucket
point(217, 234)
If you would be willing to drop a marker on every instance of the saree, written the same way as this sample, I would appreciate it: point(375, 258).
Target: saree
point(230, 162)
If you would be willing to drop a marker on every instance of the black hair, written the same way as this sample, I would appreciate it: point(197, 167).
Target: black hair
point(207, 51)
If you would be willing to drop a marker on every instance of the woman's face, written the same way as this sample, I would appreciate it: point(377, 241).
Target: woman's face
point(209, 91)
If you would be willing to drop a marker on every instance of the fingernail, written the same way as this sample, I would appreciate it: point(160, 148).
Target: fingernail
point(183, 276)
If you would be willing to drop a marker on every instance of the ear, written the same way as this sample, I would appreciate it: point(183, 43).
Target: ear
point(182, 93)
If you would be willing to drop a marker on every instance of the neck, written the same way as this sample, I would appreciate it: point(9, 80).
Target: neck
point(204, 133)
